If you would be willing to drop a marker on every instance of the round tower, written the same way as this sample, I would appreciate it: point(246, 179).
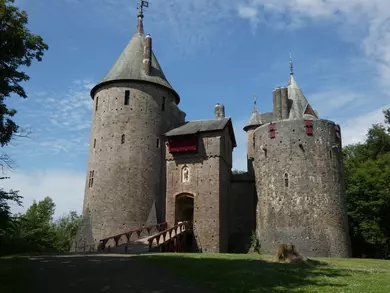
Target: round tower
point(299, 180)
point(134, 106)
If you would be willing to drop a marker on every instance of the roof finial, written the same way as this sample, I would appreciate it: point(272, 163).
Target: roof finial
point(291, 64)
point(140, 25)
point(255, 102)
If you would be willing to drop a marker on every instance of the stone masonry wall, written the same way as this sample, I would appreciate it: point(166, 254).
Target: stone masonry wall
point(126, 157)
point(210, 192)
point(242, 213)
point(300, 188)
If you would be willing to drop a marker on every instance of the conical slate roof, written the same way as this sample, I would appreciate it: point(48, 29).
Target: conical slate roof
point(300, 107)
point(255, 120)
point(129, 65)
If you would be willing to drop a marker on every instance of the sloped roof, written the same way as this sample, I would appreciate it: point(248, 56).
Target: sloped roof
point(300, 105)
point(255, 120)
point(198, 126)
point(129, 65)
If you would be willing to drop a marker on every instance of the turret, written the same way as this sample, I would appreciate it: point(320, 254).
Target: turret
point(297, 162)
point(254, 122)
point(133, 106)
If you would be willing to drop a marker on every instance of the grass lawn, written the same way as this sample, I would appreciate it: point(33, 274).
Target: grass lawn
point(252, 273)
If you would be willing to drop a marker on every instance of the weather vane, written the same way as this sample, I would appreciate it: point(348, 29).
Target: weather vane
point(142, 4)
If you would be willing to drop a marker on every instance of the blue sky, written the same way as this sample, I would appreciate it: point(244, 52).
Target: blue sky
point(220, 51)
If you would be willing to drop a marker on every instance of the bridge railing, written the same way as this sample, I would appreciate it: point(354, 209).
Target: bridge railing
point(126, 236)
point(170, 240)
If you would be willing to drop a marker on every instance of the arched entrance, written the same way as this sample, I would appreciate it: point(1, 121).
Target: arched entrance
point(184, 208)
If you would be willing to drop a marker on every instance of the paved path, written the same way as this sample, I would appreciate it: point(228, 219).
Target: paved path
point(103, 273)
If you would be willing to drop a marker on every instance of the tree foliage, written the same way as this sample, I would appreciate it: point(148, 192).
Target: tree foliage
point(6, 219)
point(66, 228)
point(236, 172)
point(36, 231)
point(18, 49)
point(367, 172)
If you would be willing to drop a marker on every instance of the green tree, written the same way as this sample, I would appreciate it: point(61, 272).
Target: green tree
point(66, 229)
point(18, 49)
point(7, 221)
point(367, 173)
point(36, 229)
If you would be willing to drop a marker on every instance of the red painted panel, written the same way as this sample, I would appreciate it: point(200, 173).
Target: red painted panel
point(183, 144)
point(272, 130)
point(337, 131)
point(309, 127)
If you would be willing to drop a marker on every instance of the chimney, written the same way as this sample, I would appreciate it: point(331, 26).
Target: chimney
point(284, 102)
point(277, 104)
point(147, 54)
point(219, 111)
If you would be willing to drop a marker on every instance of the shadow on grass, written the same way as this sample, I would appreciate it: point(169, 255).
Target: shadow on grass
point(252, 275)
point(87, 273)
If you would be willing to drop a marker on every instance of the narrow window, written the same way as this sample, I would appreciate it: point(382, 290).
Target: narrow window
point(158, 143)
point(163, 104)
point(265, 152)
point(127, 97)
point(90, 183)
point(94, 143)
point(123, 138)
point(286, 180)
point(96, 103)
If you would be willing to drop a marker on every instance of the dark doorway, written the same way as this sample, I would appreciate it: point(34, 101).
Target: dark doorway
point(184, 208)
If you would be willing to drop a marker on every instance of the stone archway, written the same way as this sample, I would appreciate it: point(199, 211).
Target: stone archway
point(184, 208)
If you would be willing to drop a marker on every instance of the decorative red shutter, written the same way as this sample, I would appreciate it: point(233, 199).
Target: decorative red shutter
point(309, 127)
point(272, 130)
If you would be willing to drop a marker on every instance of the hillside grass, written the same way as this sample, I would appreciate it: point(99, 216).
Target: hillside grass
point(229, 273)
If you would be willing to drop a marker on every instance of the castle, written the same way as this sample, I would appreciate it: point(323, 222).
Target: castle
point(148, 165)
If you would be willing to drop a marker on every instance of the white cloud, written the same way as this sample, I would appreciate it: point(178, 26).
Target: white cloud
point(60, 122)
point(247, 12)
point(370, 20)
point(354, 130)
point(66, 188)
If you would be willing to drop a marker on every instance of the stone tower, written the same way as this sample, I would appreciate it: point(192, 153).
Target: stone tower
point(298, 166)
point(134, 105)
